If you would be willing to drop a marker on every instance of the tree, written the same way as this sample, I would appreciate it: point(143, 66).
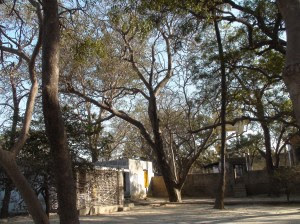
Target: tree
point(286, 179)
point(257, 89)
point(153, 87)
point(8, 158)
point(10, 71)
point(149, 48)
point(54, 124)
point(249, 145)
point(36, 164)
point(219, 202)
point(290, 11)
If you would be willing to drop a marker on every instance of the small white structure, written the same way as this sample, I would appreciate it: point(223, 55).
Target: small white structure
point(137, 175)
point(16, 203)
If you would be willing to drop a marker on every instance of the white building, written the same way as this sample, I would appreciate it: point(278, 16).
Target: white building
point(137, 175)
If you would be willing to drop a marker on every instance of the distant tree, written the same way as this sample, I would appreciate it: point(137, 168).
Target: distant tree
point(248, 145)
point(148, 50)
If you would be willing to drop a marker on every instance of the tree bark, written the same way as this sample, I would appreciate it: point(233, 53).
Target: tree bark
point(290, 10)
point(55, 130)
point(219, 202)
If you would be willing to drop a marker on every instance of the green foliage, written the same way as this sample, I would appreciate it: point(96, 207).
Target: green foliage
point(273, 62)
point(89, 47)
point(250, 143)
point(130, 22)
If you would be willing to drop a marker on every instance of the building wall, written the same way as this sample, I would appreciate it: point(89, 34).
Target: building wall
point(137, 177)
point(17, 204)
point(134, 175)
point(158, 187)
point(257, 182)
point(100, 187)
point(196, 185)
point(205, 185)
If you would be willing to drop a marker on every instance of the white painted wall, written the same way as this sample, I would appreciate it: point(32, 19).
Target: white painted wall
point(16, 204)
point(136, 176)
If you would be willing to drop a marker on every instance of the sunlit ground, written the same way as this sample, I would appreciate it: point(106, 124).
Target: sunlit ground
point(193, 213)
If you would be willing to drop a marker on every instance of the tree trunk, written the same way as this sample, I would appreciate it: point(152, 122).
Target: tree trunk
point(219, 202)
point(5, 202)
point(277, 160)
point(269, 160)
point(290, 10)
point(46, 195)
point(34, 207)
point(174, 191)
point(55, 130)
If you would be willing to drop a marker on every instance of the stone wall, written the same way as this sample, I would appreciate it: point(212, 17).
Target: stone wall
point(100, 187)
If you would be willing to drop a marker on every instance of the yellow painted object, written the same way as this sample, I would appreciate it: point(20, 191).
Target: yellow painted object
point(146, 183)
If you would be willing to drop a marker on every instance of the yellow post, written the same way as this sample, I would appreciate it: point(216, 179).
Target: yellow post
point(146, 183)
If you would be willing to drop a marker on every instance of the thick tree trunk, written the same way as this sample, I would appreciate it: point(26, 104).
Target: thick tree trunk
point(34, 207)
point(173, 189)
point(290, 10)
point(5, 202)
point(174, 192)
point(52, 115)
point(219, 202)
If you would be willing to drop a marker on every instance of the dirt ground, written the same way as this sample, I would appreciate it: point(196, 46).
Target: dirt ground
point(192, 213)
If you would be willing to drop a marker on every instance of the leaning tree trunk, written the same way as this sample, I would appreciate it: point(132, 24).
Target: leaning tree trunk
point(55, 130)
point(219, 202)
point(290, 10)
point(7, 160)
point(173, 189)
point(174, 192)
